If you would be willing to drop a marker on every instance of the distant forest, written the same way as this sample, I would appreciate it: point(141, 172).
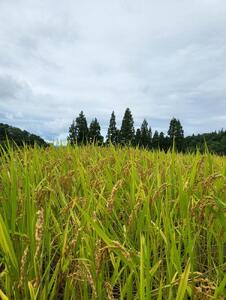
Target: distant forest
point(81, 134)
point(16, 136)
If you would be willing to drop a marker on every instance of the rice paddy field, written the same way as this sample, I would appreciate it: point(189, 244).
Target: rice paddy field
point(107, 223)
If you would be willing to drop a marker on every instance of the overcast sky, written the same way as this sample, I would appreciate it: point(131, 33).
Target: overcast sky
point(161, 58)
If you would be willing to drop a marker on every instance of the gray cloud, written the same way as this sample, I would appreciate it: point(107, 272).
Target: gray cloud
point(160, 58)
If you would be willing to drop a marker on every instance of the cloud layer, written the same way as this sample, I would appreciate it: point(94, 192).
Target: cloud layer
point(160, 58)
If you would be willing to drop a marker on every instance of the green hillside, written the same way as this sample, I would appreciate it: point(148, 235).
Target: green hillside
point(18, 136)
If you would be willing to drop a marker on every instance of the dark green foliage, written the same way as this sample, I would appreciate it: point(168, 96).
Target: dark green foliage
point(79, 134)
point(73, 133)
point(95, 133)
point(14, 135)
point(78, 131)
point(155, 140)
point(215, 141)
point(162, 141)
point(127, 129)
point(112, 134)
point(138, 137)
point(176, 134)
point(146, 135)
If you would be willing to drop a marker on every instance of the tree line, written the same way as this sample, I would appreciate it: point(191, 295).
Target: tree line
point(82, 134)
point(16, 136)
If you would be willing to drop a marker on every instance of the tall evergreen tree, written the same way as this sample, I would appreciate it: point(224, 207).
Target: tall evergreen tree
point(155, 140)
point(146, 135)
point(95, 133)
point(176, 134)
point(162, 144)
point(127, 129)
point(73, 134)
point(112, 134)
point(138, 137)
point(78, 131)
point(150, 135)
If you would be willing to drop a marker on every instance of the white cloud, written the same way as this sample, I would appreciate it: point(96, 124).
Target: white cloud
point(160, 58)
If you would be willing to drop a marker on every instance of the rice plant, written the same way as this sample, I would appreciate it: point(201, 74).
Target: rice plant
point(111, 223)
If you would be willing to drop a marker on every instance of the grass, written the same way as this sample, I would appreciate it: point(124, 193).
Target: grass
point(106, 223)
